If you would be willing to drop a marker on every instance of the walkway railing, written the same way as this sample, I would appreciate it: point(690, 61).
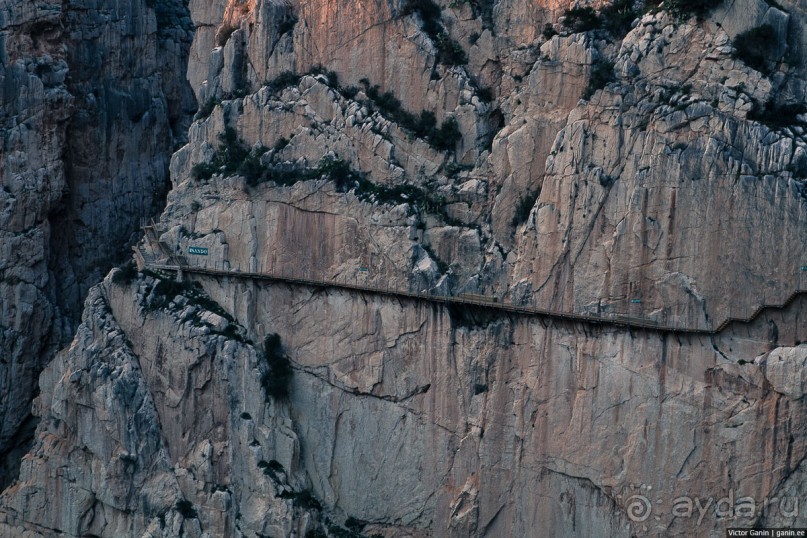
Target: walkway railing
point(179, 263)
point(758, 312)
point(618, 320)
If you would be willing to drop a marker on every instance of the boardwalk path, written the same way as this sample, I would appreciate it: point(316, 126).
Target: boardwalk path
point(475, 300)
point(179, 264)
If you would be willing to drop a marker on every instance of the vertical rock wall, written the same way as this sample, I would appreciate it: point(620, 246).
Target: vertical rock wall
point(632, 177)
point(93, 102)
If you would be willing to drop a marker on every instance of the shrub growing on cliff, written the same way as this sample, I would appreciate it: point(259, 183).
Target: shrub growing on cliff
point(427, 8)
point(350, 92)
point(283, 80)
point(347, 179)
point(277, 377)
point(602, 72)
point(338, 171)
point(618, 17)
point(524, 208)
point(207, 108)
point(750, 46)
point(423, 125)
point(166, 290)
point(232, 151)
point(774, 115)
point(446, 137)
point(581, 19)
point(125, 274)
point(232, 157)
point(274, 470)
point(290, 78)
point(286, 24)
point(331, 76)
point(281, 143)
point(186, 509)
point(201, 171)
point(390, 106)
point(251, 167)
point(354, 524)
point(449, 52)
point(683, 9)
point(352, 530)
point(485, 95)
point(306, 500)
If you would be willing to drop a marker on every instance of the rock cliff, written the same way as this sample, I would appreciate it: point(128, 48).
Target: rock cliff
point(93, 99)
point(646, 168)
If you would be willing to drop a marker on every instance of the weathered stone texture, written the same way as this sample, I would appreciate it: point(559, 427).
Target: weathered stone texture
point(654, 190)
point(92, 101)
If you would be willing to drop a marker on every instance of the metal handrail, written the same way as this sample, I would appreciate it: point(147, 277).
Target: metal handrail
point(619, 320)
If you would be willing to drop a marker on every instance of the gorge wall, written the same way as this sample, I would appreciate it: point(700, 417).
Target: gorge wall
point(93, 100)
point(643, 170)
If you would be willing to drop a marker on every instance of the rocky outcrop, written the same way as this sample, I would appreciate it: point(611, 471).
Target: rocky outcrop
point(147, 471)
point(672, 156)
point(93, 100)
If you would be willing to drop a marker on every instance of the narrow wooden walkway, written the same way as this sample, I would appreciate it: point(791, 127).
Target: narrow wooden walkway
point(471, 300)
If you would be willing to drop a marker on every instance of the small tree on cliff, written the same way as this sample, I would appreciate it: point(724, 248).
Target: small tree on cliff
point(277, 377)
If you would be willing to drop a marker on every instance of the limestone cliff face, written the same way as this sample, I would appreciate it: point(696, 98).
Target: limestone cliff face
point(164, 438)
point(654, 177)
point(93, 98)
point(612, 177)
point(413, 419)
